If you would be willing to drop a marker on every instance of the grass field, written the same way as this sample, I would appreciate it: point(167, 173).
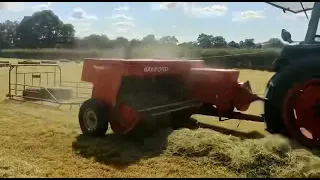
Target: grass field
point(40, 141)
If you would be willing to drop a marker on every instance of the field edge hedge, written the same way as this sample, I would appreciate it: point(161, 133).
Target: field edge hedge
point(260, 59)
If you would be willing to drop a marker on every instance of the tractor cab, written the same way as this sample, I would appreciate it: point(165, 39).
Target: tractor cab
point(310, 46)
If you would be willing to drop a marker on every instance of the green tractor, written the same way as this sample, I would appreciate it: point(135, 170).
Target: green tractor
point(293, 93)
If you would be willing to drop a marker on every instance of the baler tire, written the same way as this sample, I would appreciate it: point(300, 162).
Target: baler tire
point(183, 119)
point(178, 120)
point(296, 73)
point(100, 111)
point(272, 113)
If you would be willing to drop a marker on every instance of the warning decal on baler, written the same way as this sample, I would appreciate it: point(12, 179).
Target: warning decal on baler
point(101, 67)
point(155, 69)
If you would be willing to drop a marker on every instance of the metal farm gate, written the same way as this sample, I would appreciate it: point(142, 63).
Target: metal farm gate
point(43, 83)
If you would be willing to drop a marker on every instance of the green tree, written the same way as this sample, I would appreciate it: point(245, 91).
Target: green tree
point(26, 35)
point(169, 40)
point(66, 33)
point(189, 44)
point(275, 43)
point(43, 29)
point(121, 41)
point(149, 39)
point(95, 41)
point(8, 35)
point(259, 46)
point(241, 44)
point(249, 43)
point(135, 42)
point(205, 41)
point(47, 26)
point(233, 44)
point(219, 42)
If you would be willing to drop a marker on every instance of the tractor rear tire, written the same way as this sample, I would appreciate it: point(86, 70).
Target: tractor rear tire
point(93, 111)
point(296, 73)
point(272, 113)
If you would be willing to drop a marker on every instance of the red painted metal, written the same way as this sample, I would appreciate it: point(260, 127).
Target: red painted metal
point(218, 87)
point(124, 119)
point(244, 97)
point(299, 112)
point(214, 86)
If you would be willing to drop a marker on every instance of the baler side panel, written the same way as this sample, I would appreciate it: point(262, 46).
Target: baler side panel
point(105, 77)
point(216, 87)
point(87, 71)
point(107, 85)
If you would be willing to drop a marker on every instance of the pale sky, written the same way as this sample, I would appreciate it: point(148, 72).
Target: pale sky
point(185, 20)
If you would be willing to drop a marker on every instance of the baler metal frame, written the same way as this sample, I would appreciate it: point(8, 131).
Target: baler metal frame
point(56, 73)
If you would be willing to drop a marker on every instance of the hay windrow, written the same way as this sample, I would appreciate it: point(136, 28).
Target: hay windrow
point(217, 153)
point(268, 157)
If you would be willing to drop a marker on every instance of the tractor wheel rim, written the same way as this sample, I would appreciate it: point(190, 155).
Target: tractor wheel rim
point(90, 120)
point(301, 111)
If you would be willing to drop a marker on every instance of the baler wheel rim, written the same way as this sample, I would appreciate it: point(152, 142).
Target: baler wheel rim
point(90, 120)
point(101, 113)
point(299, 115)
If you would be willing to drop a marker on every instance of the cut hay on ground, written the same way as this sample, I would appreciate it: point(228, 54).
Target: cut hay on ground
point(48, 146)
point(219, 155)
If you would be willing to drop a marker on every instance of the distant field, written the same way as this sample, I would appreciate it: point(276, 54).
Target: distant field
point(40, 141)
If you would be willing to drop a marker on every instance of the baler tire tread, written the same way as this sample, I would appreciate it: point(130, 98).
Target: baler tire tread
point(183, 119)
point(100, 109)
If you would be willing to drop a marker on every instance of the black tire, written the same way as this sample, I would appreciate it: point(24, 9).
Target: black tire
point(100, 110)
point(272, 112)
point(182, 119)
point(298, 72)
point(178, 120)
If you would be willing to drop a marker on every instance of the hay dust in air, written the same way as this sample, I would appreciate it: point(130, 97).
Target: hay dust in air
point(38, 141)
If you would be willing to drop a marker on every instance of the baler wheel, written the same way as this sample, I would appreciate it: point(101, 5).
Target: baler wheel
point(182, 119)
point(93, 117)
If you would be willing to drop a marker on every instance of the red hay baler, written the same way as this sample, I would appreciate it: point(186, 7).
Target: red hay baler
point(130, 94)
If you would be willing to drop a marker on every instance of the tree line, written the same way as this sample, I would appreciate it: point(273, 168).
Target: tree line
point(44, 29)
